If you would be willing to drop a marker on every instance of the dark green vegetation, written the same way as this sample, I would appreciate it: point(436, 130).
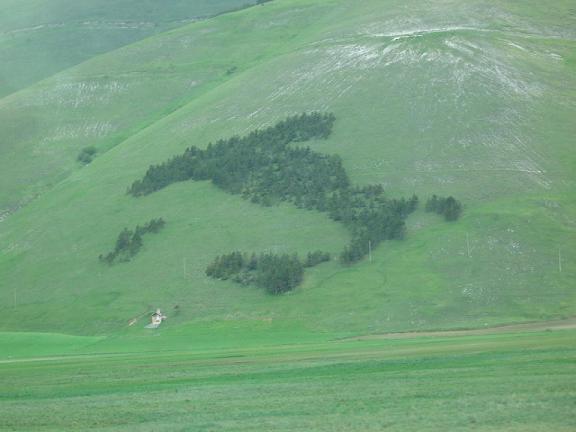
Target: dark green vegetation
point(449, 207)
point(277, 274)
point(500, 382)
point(129, 242)
point(370, 216)
point(262, 168)
point(87, 154)
point(315, 258)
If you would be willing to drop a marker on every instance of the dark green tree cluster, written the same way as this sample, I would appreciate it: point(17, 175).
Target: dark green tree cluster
point(129, 242)
point(449, 207)
point(370, 217)
point(251, 165)
point(276, 274)
point(87, 155)
point(264, 169)
point(315, 258)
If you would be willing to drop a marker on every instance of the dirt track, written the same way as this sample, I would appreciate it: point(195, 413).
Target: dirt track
point(565, 324)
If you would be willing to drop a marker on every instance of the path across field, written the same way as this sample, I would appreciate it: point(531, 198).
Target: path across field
point(565, 324)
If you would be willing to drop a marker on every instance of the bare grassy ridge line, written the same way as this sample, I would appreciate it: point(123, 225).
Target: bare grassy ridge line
point(565, 324)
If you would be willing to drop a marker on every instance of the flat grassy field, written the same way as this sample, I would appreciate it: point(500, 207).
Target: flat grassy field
point(494, 382)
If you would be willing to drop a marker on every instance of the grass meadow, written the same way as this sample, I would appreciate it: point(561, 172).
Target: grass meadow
point(39, 38)
point(468, 98)
point(495, 382)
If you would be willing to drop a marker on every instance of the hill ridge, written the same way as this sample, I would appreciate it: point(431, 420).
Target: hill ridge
point(36, 36)
point(110, 85)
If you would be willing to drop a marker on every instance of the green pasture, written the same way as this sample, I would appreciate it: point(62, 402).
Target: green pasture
point(503, 382)
point(471, 98)
point(39, 38)
point(109, 98)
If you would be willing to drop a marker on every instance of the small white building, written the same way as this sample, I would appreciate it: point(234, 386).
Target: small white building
point(156, 319)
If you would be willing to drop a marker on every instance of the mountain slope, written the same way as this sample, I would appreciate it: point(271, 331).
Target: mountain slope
point(39, 38)
point(103, 101)
point(469, 98)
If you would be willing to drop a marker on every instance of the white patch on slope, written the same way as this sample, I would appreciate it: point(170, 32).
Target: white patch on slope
point(332, 68)
point(95, 129)
point(79, 94)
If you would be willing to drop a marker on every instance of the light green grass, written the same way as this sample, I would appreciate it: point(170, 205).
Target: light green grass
point(107, 99)
point(505, 382)
point(25, 345)
point(39, 38)
point(475, 101)
point(474, 98)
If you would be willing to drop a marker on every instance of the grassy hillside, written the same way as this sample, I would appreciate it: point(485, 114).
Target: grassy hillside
point(471, 98)
point(39, 38)
point(109, 98)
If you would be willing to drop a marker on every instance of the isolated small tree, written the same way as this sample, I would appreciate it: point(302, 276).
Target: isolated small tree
point(452, 209)
point(87, 154)
point(449, 207)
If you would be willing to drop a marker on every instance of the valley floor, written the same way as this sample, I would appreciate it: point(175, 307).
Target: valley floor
point(520, 380)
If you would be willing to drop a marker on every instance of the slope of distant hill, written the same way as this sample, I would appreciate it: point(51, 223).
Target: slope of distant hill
point(41, 37)
point(467, 98)
point(103, 101)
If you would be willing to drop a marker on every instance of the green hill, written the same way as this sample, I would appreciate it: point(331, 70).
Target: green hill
point(473, 99)
point(39, 38)
point(109, 98)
